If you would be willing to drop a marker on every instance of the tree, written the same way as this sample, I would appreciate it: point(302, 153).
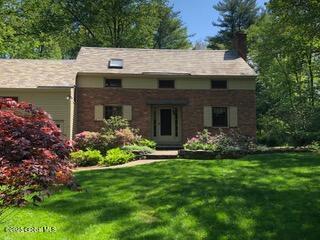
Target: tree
point(33, 155)
point(236, 15)
point(20, 36)
point(170, 32)
point(288, 102)
point(58, 28)
point(303, 14)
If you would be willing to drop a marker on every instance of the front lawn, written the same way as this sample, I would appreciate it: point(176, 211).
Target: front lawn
point(275, 196)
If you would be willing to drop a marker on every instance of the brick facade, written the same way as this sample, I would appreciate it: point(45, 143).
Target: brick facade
point(192, 113)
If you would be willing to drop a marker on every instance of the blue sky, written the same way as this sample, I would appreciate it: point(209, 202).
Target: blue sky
point(198, 15)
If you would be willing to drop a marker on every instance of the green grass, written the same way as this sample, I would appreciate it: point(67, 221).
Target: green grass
point(275, 196)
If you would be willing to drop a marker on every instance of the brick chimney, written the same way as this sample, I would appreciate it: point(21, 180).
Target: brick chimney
point(239, 43)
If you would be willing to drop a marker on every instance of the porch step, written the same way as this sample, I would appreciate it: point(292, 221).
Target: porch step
point(163, 154)
point(169, 147)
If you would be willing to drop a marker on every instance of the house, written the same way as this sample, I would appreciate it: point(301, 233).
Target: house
point(169, 95)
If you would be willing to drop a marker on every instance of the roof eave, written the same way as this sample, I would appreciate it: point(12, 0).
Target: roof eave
point(168, 74)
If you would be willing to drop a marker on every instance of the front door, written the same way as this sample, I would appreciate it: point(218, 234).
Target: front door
point(166, 125)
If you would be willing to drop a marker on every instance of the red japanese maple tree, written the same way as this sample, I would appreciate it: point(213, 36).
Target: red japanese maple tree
point(33, 153)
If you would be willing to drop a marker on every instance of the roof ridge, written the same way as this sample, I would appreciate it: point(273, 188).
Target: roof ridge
point(156, 49)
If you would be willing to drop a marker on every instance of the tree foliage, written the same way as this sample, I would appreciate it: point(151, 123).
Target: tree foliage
point(33, 155)
point(287, 58)
point(58, 28)
point(170, 32)
point(236, 16)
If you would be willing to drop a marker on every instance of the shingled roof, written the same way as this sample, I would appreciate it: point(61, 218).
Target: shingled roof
point(62, 73)
point(29, 73)
point(160, 61)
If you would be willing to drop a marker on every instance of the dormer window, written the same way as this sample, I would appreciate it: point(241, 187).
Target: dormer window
point(116, 63)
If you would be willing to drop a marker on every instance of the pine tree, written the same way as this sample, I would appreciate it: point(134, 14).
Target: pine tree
point(235, 15)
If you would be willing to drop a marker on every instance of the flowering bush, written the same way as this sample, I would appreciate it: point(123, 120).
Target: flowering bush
point(126, 136)
point(33, 154)
point(115, 134)
point(221, 142)
point(202, 141)
point(94, 141)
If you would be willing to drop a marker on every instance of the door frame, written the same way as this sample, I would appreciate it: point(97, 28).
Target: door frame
point(176, 134)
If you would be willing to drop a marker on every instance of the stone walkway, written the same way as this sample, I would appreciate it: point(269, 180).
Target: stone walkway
point(129, 164)
point(163, 154)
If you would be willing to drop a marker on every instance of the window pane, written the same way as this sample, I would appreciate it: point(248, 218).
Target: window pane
point(166, 83)
point(219, 117)
point(111, 111)
point(219, 84)
point(113, 82)
point(165, 122)
point(116, 63)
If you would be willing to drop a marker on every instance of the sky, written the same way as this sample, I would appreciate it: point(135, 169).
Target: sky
point(198, 16)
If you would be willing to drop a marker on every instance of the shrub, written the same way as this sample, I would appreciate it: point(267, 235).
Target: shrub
point(315, 147)
point(202, 141)
point(86, 158)
point(94, 141)
point(125, 136)
point(233, 141)
point(147, 143)
point(33, 154)
point(114, 124)
point(272, 131)
point(303, 138)
point(116, 133)
point(142, 150)
point(117, 156)
point(221, 142)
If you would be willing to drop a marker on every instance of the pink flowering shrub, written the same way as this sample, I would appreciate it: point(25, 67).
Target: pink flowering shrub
point(222, 142)
point(115, 133)
point(126, 136)
point(33, 154)
point(94, 141)
point(202, 141)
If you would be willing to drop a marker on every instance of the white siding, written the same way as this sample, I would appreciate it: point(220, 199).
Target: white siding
point(57, 102)
point(152, 83)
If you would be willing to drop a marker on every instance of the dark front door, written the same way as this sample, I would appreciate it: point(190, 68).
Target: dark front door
point(166, 127)
point(166, 122)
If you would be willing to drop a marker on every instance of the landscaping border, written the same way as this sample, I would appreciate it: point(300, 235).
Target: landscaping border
point(205, 155)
